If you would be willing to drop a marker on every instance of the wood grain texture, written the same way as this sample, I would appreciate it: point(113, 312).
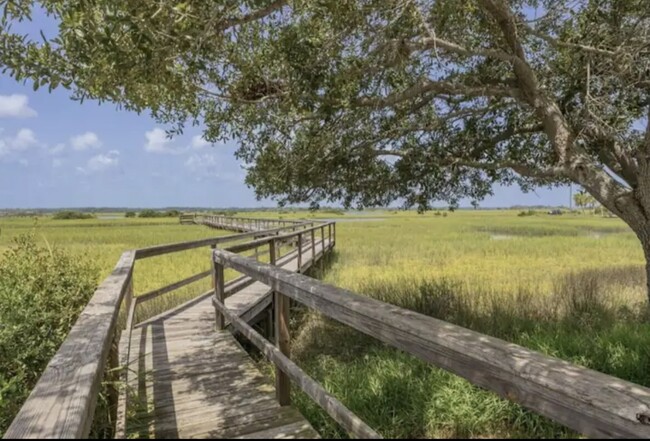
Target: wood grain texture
point(195, 382)
point(331, 405)
point(62, 403)
point(584, 400)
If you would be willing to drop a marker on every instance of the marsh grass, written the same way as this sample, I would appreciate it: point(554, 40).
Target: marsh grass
point(569, 286)
point(402, 397)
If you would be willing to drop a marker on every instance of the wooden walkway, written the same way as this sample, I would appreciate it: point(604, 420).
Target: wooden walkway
point(190, 378)
point(190, 381)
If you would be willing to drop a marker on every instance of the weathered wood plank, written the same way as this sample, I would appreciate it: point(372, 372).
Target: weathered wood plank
point(331, 405)
point(172, 287)
point(158, 250)
point(63, 402)
point(582, 399)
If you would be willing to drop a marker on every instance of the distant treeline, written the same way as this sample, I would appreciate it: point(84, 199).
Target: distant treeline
point(155, 213)
point(67, 215)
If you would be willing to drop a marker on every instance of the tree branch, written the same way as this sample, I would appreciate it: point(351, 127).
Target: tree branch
point(425, 86)
point(552, 173)
point(252, 16)
point(559, 43)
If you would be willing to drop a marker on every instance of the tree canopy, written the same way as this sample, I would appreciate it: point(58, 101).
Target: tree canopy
point(368, 102)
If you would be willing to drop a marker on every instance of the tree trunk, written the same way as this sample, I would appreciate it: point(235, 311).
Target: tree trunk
point(644, 237)
point(646, 252)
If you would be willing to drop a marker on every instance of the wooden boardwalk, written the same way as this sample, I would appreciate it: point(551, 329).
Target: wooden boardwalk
point(190, 381)
point(190, 378)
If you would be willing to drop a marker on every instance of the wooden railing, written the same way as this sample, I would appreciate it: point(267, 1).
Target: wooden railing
point(240, 223)
point(62, 403)
point(584, 400)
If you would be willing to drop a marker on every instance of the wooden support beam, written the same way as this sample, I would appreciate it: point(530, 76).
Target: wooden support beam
point(219, 293)
point(282, 337)
point(299, 252)
point(333, 407)
point(584, 400)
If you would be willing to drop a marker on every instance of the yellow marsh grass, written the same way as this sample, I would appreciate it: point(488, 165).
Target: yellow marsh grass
point(518, 278)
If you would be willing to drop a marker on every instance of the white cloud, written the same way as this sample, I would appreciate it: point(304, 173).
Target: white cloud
point(158, 142)
point(100, 163)
point(15, 106)
point(85, 141)
point(56, 163)
point(210, 165)
point(198, 142)
point(198, 162)
point(24, 139)
point(56, 149)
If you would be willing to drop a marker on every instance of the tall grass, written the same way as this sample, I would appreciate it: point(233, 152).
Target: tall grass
point(552, 287)
point(403, 397)
point(568, 286)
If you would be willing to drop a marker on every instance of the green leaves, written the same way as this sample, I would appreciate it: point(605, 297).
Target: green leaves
point(42, 291)
point(385, 100)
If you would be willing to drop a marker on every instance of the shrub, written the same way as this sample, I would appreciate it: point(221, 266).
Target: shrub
point(156, 213)
point(526, 213)
point(42, 291)
point(129, 214)
point(149, 213)
point(68, 215)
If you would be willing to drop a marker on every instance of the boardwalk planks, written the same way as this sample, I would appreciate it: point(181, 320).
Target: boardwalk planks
point(587, 401)
point(63, 402)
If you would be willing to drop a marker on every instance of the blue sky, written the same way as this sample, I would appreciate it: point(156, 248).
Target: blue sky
point(55, 152)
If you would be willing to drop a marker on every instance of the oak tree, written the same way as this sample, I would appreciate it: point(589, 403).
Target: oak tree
point(373, 101)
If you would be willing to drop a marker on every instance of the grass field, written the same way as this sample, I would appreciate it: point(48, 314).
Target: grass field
point(571, 286)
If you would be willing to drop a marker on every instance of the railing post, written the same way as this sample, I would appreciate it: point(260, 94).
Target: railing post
point(282, 337)
point(299, 252)
point(322, 247)
point(313, 246)
point(219, 292)
point(128, 301)
point(113, 376)
point(334, 234)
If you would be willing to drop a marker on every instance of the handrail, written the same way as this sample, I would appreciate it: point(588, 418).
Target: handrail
point(265, 240)
point(72, 379)
point(334, 408)
point(584, 400)
point(62, 403)
point(246, 218)
point(158, 250)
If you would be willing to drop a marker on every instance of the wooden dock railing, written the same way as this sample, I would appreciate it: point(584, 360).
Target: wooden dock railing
point(581, 399)
point(62, 403)
point(237, 223)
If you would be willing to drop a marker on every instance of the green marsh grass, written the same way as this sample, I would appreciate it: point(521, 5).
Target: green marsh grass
point(569, 286)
